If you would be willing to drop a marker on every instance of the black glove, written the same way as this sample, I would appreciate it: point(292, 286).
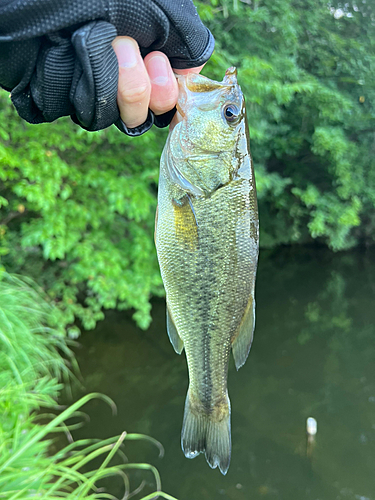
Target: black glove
point(56, 56)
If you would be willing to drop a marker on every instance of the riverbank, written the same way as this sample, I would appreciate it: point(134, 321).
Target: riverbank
point(35, 361)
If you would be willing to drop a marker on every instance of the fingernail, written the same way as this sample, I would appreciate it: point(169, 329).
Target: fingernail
point(126, 52)
point(157, 69)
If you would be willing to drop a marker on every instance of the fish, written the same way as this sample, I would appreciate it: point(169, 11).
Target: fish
point(206, 237)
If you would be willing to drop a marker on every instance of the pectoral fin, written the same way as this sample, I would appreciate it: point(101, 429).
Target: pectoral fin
point(186, 225)
point(174, 337)
point(243, 338)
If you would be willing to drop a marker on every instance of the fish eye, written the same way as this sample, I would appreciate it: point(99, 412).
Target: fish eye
point(231, 113)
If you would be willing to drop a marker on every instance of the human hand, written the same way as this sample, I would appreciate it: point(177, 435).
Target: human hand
point(73, 70)
point(144, 84)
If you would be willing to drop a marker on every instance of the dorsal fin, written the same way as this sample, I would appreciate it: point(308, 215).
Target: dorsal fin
point(156, 222)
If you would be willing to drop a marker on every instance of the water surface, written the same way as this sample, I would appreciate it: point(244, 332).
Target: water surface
point(313, 355)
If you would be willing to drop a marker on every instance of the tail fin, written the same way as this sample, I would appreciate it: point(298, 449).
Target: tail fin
point(208, 433)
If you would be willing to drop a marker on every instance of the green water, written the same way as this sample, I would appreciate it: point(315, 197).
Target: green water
point(313, 355)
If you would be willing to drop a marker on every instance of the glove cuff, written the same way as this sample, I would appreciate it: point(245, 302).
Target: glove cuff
point(159, 121)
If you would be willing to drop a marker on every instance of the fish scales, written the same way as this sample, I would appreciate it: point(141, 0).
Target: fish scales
point(217, 300)
point(207, 243)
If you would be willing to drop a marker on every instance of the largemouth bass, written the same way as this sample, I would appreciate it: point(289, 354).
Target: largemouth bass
point(206, 235)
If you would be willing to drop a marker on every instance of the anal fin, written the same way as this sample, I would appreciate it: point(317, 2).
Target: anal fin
point(173, 335)
point(244, 336)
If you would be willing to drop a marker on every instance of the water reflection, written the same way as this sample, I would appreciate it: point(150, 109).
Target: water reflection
point(313, 355)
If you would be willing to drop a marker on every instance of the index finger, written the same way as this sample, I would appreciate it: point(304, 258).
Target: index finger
point(134, 85)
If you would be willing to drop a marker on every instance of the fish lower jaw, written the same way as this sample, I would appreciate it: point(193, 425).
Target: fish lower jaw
point(178, 117)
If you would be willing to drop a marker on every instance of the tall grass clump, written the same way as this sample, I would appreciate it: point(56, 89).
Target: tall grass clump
point(35, 358)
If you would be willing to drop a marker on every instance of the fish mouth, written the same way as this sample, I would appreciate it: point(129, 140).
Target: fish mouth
point(230, 77)
point(195, 83)
point(178, 117)
point(180, 114)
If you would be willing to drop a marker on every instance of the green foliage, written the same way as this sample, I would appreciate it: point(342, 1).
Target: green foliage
point(77, 208)
point(31, 364)
point(306, 68)
point(78, 215)
point(30, 341)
